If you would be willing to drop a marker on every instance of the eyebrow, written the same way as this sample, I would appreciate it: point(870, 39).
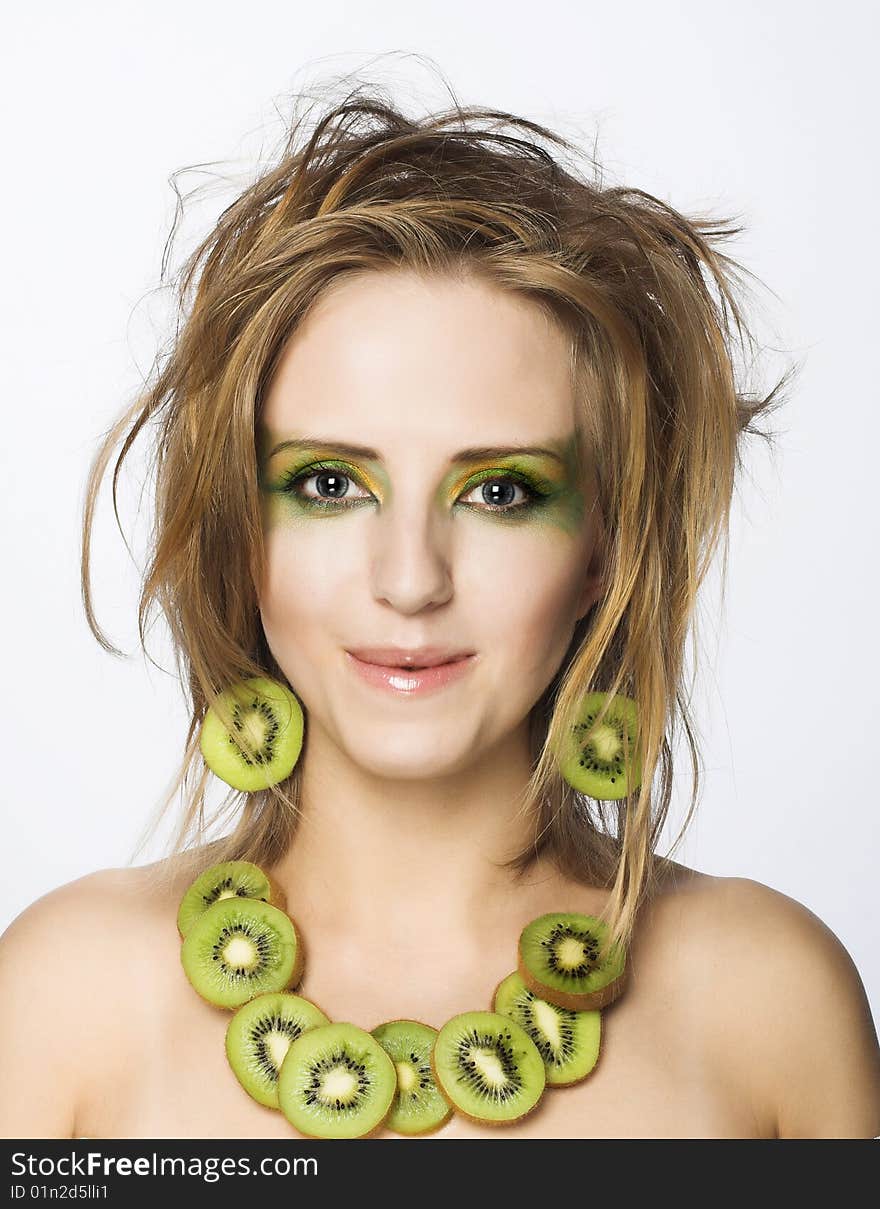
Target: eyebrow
point(473, 454)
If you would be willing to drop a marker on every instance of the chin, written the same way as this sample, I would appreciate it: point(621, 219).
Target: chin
point(410, 763)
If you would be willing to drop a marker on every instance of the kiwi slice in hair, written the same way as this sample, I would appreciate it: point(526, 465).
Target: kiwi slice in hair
point(598, 765)
point(419, 1106)
point(568, 1041)
point(489, 1067)
point(336, 1081)
point(264, 740)
point(240, 948)
point(559, 961)
point(227, 880)
point(259, 1035)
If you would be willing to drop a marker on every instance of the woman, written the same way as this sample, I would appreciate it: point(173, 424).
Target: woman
point(439, 399)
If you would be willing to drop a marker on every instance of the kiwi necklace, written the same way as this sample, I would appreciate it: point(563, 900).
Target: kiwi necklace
point(242, 952)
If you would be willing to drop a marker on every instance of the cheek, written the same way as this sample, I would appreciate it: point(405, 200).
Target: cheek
point(528, 604)
point(302, 591)
point(516, 595)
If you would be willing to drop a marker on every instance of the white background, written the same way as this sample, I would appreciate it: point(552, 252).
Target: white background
point(768, 111)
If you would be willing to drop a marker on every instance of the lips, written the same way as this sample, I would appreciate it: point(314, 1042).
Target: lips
point(406, 680)
point(409, 659)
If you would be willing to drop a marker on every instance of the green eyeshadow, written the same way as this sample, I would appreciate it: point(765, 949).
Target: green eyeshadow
point(550, 484)
point(557, 500)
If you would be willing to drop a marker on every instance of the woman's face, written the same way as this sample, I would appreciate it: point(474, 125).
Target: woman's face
point(413, 541)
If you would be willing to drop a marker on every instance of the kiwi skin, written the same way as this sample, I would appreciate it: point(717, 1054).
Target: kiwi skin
point(569, 999)
point(299, 967)
point(482, 1120)
point(277, 897)
point(579, 1078)
point(423, 1133)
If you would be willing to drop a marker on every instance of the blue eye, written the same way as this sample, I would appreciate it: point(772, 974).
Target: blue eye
point(499, 491)
point(328, 478)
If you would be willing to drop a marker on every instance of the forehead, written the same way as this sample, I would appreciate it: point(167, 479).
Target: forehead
point(390, 356)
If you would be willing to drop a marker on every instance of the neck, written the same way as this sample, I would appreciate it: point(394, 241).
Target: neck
point(379, 856)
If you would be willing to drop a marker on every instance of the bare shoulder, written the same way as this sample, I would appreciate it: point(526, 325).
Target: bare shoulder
point(110, 914)
point(74, 965)
point(98, 908)
point(789, 1014)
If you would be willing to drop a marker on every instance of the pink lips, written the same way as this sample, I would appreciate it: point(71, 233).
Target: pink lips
point(410, 681)
point(409, 657)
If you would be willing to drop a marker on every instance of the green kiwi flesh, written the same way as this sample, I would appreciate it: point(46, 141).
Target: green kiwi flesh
point(489, 1067)
point(226, 880)
point(419, 1106)
point(568, 1041)
point(259, 1035)
point(239, 948)
point(264, 739)
point(559, 961)
point(598, 766)
point(336, 1081)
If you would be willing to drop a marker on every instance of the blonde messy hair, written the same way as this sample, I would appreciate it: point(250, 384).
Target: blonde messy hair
point(649, 303)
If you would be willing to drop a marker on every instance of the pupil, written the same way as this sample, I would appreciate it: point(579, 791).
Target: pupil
point(336, 481)
point(493, 488)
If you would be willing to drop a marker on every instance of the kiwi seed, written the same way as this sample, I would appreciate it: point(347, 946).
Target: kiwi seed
point(259, 1036)
point(263, 741)
point(489, 1067)
point(597, 765)
point(568, 1041)
point(559, 961)
point(419, 1106)
point(239, 948)
point(336, 1081)
point(226, 880)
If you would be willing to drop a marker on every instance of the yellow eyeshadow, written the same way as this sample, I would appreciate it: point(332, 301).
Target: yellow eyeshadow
point(544, 472)
point(551, 497)
point(314, 461)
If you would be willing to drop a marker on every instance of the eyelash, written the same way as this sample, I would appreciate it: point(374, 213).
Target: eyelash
point(291, 481)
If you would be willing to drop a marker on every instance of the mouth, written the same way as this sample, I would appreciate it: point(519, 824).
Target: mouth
point(413, 667)
point(415, 660)
point(410, 679)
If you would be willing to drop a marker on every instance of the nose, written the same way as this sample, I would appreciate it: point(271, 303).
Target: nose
point(410, 554)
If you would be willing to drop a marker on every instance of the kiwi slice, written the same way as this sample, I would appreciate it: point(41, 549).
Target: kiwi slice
point(568, 1041)
point(596, 765)
point(239, 948)
point(226, 880)
point(264, 739)
point(559, 961)
point(489, 1067)
point(259, 1036)
point(419, 1106)
point(336, 1081)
